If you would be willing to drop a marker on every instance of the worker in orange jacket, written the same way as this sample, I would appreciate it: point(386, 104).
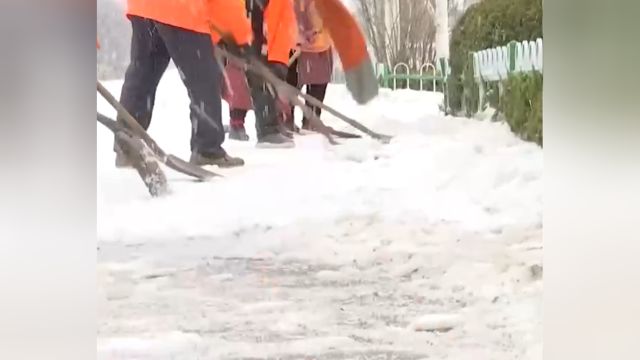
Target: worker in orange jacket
point(179, 30)
point(274, 35)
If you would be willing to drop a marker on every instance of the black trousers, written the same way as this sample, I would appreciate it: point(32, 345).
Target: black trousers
point(265, 106)
point(264, 98)
point(317, 91)
point(153, 44)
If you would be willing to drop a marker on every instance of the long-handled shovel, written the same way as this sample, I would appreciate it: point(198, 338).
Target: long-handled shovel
point(171, 161)
point(140, 156)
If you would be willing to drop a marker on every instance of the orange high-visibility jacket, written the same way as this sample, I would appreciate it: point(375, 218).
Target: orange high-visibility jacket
point(278, 28)
point(281, 30)
point(227, 15)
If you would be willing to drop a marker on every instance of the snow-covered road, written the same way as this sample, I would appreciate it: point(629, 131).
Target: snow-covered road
point(327, 252)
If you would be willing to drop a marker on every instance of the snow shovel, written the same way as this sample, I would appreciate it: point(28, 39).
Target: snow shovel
point(289, 92)
point(171, 161)
point(141, 157)
point(293, 94)
point(351, 47)
point(294, 57)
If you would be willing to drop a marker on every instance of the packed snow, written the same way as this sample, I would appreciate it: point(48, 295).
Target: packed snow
point(427, 247)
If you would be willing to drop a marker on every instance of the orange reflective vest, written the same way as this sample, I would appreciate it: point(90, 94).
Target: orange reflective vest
point(196, 15)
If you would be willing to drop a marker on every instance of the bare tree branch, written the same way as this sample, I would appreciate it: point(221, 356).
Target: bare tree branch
point(400, 30)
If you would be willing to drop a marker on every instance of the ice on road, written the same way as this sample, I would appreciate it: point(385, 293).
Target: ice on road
point(428, 247)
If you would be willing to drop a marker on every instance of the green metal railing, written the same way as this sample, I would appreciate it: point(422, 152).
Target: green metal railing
point(394, 79)
point(400, 76)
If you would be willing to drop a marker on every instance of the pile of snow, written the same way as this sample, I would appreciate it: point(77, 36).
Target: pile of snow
point(447, 169)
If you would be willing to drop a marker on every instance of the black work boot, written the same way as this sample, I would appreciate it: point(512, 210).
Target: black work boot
point(285, 131)
point(238, 133)
point(236, 129)
point(275, 141)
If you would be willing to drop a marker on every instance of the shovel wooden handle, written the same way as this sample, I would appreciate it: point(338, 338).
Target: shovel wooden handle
point(293, 57)
point(130, 121)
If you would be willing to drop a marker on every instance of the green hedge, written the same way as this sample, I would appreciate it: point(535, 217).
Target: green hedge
point(487, 24)
point(521, 103)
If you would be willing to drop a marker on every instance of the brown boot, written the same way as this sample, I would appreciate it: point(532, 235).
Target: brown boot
point(223, 161)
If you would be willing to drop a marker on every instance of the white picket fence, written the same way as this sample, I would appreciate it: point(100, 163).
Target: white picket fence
point(497, 63)
point(489, 65)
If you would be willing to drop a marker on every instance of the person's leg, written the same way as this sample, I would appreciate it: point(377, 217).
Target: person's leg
point(192, 54)
point(317, 91)
point(236, 124)
point(236, 93)
point(266, 113)
point(237, 117)
point(149, 60)
point(314, 69)
point(264, 99)
point(292, 79)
